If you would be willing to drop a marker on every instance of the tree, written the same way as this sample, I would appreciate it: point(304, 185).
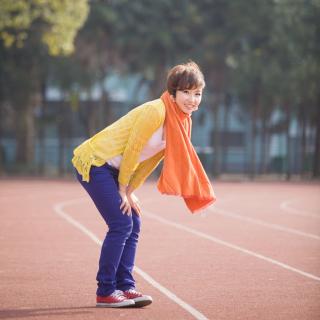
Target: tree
point(296, 38)
point(30, 32)
point(249, 59)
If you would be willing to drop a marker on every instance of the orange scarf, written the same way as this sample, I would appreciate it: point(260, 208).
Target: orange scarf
point(182, 172)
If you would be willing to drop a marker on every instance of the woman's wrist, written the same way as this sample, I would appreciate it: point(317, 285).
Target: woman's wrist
point(122, 189)
point(129, 190)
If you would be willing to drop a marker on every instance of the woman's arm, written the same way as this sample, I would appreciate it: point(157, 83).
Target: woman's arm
point(144, 169)
point(147, 123)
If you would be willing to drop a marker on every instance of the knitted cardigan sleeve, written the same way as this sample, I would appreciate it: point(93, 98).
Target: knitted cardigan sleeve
point(144, 169)
point(148, 121)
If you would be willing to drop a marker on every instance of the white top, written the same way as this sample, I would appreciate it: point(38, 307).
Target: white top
point(153, 146)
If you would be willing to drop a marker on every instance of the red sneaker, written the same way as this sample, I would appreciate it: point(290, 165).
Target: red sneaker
point(115, 300)
point(140, 299)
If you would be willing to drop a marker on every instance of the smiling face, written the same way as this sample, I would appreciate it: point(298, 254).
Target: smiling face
point(185, 83)
point(188, 100)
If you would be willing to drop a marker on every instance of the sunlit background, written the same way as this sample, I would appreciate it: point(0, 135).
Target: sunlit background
point(70, 68)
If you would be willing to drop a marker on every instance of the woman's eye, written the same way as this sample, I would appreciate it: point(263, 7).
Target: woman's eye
point(185, 91)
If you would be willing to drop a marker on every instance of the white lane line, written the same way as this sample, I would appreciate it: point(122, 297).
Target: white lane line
point(285, 206)
point(233, 215)
point(229, 245)
point(59, 209)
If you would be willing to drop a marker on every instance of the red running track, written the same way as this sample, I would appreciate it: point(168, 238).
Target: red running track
point(255, 254)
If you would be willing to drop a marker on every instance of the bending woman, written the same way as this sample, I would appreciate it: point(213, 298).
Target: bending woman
point(117, 160)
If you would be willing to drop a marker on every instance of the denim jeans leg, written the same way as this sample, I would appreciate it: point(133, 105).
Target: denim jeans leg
point(124, 275)
point(103, 190)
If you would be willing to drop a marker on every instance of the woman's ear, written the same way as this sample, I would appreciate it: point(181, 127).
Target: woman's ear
point(173, 99)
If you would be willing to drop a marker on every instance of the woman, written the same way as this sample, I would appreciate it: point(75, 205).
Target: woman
point(118, 159)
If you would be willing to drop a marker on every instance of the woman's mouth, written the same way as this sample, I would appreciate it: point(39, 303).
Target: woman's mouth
point(190, 109)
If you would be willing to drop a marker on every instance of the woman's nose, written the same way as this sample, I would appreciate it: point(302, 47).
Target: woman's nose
point(192, 98)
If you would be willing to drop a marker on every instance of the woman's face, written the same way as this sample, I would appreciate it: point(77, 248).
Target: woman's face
point(188, 100)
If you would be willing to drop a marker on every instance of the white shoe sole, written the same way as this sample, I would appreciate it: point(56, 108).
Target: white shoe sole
point(142, 301)
point(123, 304)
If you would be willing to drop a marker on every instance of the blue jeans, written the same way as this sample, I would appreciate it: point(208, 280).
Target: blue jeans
point(119, 246)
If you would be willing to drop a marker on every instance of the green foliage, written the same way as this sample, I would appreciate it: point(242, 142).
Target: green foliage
point(58, 20)
point(279, 50)
point(142, 36)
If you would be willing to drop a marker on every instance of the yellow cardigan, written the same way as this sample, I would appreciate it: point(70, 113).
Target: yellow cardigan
point(127, 137)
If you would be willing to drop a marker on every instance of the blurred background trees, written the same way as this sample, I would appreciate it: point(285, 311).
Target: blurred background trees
point(31, 32)
point(260, 59)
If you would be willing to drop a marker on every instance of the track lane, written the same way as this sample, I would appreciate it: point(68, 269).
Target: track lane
point(49, 267)
point(218, 281)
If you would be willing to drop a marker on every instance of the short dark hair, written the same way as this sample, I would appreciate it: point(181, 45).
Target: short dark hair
point(185, 76)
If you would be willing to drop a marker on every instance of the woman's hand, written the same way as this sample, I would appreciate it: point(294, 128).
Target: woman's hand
point(125, 205)
point(134, 203)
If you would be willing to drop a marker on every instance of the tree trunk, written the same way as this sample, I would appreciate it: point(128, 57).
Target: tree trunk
point(264, 146)
point(2, 155)
point(253, 143)
point(93, 118)
point(316, 158)
point(61, 139)
point(41, 137)
point(267, 152)
point(216, 138)
point(25, 136)
point(287, 109)
point(255, 112)
point(225, 130)
point(25, 101)
point(303, 146)
point(61, 152)
point(105, 111)
point(158, 84)
point(216, 81)
point(41, 130)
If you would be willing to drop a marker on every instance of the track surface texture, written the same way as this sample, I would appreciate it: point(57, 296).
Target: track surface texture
point(254, 254)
